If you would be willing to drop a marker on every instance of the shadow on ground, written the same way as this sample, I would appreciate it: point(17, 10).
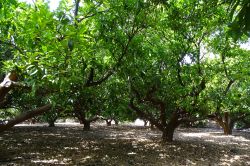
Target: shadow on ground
point(122, 145)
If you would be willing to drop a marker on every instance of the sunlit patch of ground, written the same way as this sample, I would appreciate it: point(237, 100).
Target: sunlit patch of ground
point(120, 145)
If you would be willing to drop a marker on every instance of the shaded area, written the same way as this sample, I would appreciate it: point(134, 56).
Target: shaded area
point(122, 145)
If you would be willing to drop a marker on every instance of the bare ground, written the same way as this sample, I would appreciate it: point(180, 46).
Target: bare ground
point(121, 145)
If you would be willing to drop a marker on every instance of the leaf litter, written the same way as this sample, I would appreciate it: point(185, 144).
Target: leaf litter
point(121, 145)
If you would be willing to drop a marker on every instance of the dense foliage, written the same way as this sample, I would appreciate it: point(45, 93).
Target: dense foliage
point(170, 62)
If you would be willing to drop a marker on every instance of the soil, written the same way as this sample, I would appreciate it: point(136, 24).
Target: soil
point(121, 145)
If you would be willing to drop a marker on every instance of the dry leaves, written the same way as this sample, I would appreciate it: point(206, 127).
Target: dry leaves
point(121, 145)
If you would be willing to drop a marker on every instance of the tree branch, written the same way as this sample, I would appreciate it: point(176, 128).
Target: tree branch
point(111, 71)
point(8, 83)
point(145, 115)
point(92, 15)
point(230, 83)
point(25, 116)
point(77, 3)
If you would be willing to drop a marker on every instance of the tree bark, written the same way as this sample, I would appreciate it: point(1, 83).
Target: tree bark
point(81, 122)
point(9, 83)
point(168, 134)
point(6, 85)
point(168, 131)
point(51, 123)
point(108, 122)
point(79, 114)
point(227, 129)
point(226, 123)
point(116, 122)
point(86, 125)
point(25, 116)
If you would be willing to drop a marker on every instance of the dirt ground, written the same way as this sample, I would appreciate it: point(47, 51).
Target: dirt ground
point(121, 145)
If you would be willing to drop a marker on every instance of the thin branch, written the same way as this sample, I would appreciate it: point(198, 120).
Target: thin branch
point(92, 15)
point(228, 86)
point(77, 3)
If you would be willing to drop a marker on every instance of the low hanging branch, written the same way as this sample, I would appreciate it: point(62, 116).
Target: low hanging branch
point(9, 83)
point(25, 116)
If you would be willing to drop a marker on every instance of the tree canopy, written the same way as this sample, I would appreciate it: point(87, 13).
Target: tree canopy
point(170, 62)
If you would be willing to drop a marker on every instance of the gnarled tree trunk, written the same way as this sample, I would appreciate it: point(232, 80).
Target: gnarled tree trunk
point(81, 115)
point(168, 131)
point(8, 83)
point(225, 122)
point(167, 128)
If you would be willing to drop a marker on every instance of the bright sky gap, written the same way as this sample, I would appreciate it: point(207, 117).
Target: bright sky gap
point(52, 3)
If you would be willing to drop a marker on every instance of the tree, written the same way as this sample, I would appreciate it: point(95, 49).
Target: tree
point(166, 89)
point(92, 57)
point(228, 89)
point(81, 45)
point(115, 103)
point(87, 105)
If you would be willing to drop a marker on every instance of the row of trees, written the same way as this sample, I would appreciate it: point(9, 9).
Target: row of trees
point(169, 62)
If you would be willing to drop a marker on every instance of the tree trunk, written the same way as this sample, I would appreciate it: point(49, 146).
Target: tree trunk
point(80, 116)
point(51, 123)
point(86, 125)
point(168, 131)
point(25, 116)
point(7, 84)
point(227, 130)
point(116, 122)
point(168, 135)
point(145, 123)
point(226, 123)
point(108, 122)
point(80, 120)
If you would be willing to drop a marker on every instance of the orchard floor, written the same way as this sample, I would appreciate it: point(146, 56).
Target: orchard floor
point(121, 145)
